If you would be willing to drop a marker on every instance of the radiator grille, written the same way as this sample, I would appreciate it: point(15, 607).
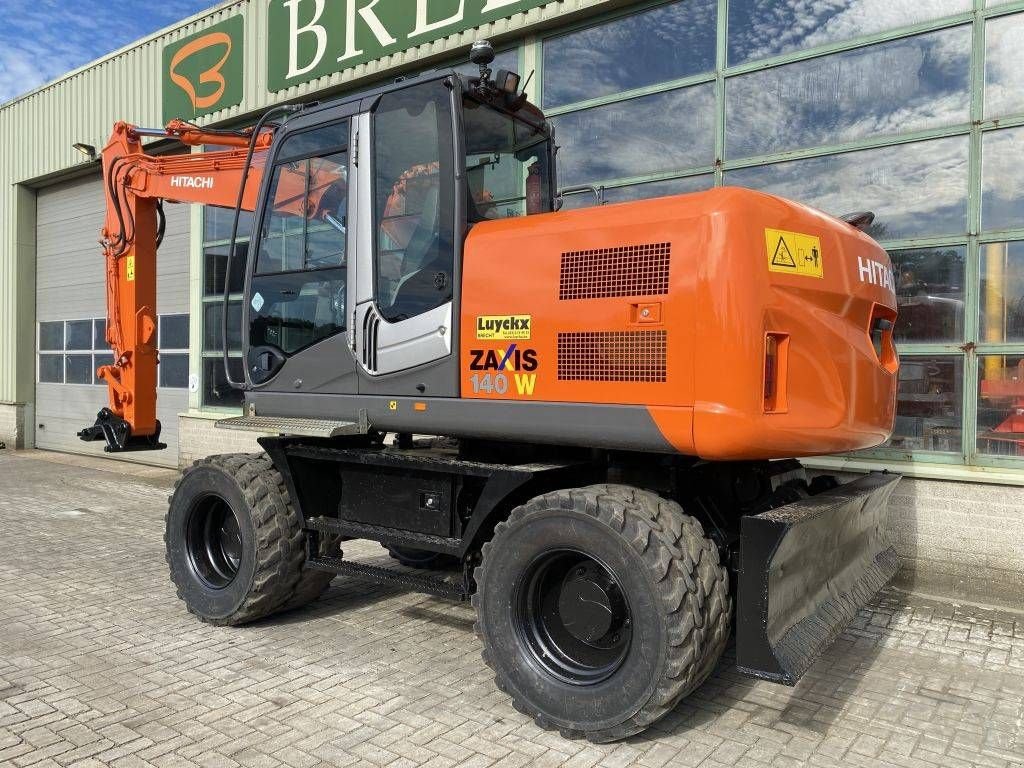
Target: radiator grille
point(612, 356)
point(629, 270)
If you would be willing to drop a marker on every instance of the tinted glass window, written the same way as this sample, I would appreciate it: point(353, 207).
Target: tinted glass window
point(212, 326)
point(319, 141)
point(51, 335)
point(914, 189)
point(507, 162)
point(174, 331)
point(1002, 183)
point(762, 28)
point(906, 85)
point(633, 137)
point(930, 404)
point(930, 293)
point(99, 334)
point(665, 43)
point(1000, 388)
point(215, 260)
point(217, 392)
point(78, 369)
point(1004, 75)
point(1002, 292)
point(414, 203)
point(79, 334)
point(293, 310)
point(173, 371)
point(51, 369)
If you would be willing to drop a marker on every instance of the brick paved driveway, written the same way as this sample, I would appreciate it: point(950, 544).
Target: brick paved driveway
point(100, 664)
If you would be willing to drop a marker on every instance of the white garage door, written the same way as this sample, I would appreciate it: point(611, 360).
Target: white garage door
point(71, 312)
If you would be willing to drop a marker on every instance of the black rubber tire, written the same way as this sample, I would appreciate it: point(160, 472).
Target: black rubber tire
point(421, 558)
point(271, 576)
point(668, 570)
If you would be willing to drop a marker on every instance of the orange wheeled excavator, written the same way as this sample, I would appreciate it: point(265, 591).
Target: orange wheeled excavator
point(617, 395)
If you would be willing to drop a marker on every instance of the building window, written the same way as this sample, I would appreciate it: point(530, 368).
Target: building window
point(71, 351)
point(845, 109)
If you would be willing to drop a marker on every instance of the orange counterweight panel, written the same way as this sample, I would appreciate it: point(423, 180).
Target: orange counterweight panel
point(676, 304)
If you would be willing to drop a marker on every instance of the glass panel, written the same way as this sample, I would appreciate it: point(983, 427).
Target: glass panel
point(99, 334)
point(297, 309)
point(898, 87)
point(51, 335)
point(762, 28)
point(1002, 292)
point(930, 293)
point(914, 189)
point(643, 191)
point(174, 331)
point(78, 369)
point(1001, 405)
point(507, 165)
point(929, 405)
point(1002, 183)
point(79, 334)
point(51, 369)
point(1004, 75)
point(216, 391)
point(173, 371)
point(97, 361)
point(414, 201)
point(665, 43)
point(215, 261)
point(212, 326)
point(318, 188)
point(318, 141)
point(651, 134)
point(217, 224)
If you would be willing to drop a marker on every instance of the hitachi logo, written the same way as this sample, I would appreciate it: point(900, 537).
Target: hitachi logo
point(874, 273)
point(192, 182)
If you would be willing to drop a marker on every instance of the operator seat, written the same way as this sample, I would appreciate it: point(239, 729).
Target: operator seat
point(427, 264)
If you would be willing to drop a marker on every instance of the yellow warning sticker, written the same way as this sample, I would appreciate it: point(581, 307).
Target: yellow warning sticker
point(793, 253)
point(130, 269)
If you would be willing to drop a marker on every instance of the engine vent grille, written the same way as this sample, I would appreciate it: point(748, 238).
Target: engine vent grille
point(612, 356)
point(629, 270)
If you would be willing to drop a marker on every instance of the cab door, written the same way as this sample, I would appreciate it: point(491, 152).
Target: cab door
point(297, 313)
point(407, 244)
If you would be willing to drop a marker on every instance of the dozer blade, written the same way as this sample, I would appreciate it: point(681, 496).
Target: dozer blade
point(805, 570)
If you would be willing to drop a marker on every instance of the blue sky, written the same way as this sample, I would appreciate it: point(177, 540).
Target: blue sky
point(40, 40)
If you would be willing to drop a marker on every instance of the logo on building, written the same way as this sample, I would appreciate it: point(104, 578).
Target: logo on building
point(203, 73)
point(307, 39)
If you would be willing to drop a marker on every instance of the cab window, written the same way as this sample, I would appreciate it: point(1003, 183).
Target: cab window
point(299, 285)
point(414, 179)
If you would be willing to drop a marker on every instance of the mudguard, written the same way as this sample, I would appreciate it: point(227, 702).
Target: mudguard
point(805, 570)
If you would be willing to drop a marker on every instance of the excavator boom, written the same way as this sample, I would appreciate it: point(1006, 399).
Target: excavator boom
point(136, 186)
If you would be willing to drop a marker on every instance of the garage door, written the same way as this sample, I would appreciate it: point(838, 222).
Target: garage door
point(71, 312)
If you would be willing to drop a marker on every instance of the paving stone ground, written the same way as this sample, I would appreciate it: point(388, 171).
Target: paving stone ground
point(101, 665)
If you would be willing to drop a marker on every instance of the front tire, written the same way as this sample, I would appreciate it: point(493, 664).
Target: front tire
point(235, 545)
point(600, 608)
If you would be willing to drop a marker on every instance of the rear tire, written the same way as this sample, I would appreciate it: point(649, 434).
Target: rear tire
point(661, 623)
point(235, 544)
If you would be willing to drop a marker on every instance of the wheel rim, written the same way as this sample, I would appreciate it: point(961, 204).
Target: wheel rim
point(213, 541)
point(573, 617)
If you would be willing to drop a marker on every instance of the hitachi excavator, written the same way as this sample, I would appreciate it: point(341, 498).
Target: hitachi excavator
point(584, 421)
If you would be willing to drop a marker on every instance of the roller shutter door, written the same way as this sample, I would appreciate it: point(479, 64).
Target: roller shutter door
point(71, 312)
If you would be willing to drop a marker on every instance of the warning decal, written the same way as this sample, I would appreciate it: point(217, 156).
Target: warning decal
point(129, 269)
point(793, 253)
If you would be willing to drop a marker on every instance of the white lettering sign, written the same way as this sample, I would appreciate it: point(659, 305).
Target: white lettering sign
point(875, 273)
point(295, 31)
point(192, 182)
